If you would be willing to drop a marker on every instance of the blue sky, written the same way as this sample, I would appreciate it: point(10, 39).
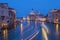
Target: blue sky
point(23, 7)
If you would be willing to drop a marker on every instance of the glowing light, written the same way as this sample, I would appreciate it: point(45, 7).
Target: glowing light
point(24, 18)
point(57, 20)
point(28, 18)
point(44, 34)
point(45, 27)
point(5, 34)
point(57, 26)
point(44, 31)
point(32, 35)
point(21, 27)
point(41, 19)
point(4, 24)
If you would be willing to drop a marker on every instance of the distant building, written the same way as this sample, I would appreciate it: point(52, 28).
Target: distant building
point(54, 16)
point(7, 15)
point(46, 18)
point(12, 15)
point(36, 16)
point(32, 15)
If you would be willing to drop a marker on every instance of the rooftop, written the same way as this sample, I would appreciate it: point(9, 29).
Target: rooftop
point(32, 12)
point(55, 11)
point(4, 4)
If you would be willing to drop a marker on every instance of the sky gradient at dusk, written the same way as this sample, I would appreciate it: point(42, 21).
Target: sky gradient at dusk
point(23, 7)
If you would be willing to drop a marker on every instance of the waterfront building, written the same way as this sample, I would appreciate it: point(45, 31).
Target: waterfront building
point(54, 16)
point(32, 15)
point(36, 16)
point(46, 18)
point(40, 17)
point(7, 14)
point(12, 15)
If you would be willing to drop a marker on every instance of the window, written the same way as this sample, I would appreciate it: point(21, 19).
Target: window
point(2, 17)
point(8, 21)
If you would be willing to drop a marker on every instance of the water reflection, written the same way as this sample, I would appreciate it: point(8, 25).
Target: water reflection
point(21, 27)
point(45, 27)
point(21, 30)
point(36, 26)
point(44, 31)
point(5, 34)
point(15, 26)
point(28, 22)
point(57, 26)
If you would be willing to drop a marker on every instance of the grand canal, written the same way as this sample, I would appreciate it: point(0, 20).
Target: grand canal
point(30, 30)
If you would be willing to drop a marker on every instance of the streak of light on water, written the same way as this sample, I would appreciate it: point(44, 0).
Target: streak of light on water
point(44, 31)
point(5, 34)
point(32, 35)
point(57, 32)
point(44, 34)
point(21, 30)
point(45, 27)
point(57, 26)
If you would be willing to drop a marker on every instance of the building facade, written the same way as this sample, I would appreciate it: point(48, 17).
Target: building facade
point(32, 15)
point(54, 16)
point(36, 16)
point(7, 15)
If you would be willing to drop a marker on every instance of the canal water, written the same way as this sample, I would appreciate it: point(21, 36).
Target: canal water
point(32, 30)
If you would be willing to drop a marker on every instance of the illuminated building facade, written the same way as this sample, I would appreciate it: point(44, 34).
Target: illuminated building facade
point(32, 15)
point(54, 16)
point(36, 16)
point(7, 15)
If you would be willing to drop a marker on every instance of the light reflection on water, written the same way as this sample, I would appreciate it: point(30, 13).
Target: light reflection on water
point(28, 23)
point(57, 31)
point(15, 26)
point(21, 27)
point(5, 34)
point(57, 26)
point(21, 30)
point(45, 27)
point(46, 31)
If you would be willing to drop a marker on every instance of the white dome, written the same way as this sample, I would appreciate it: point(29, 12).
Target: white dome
point(32, 12)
